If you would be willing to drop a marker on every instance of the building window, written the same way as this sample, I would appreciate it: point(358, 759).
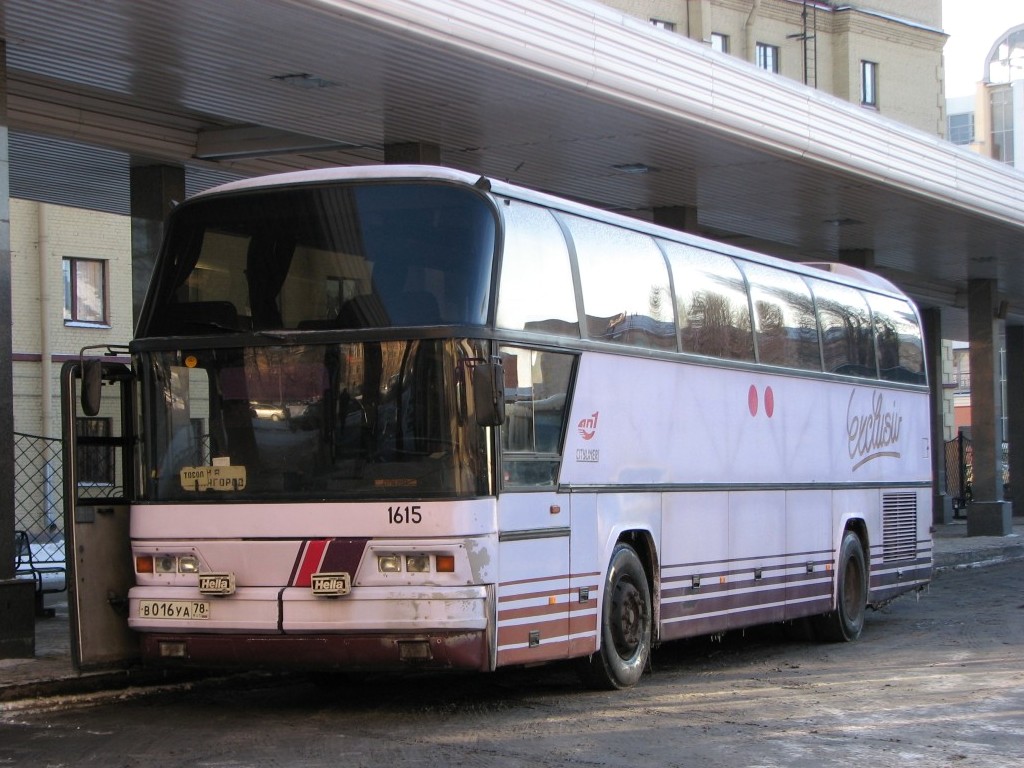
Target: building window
point(869, 83)
point(669, 25)
point(1002, 124)
point(85, 289)
point(961, 128)
point(95, 462)
point(719, 42)
point(767, 57)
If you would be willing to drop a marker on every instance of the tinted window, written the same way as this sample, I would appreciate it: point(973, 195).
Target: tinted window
point(337, 256)
point(900, 349)
point(536, 291)
point(847, 339)
point(711, 303)
point(786, 329)
point(536, 389)
point(625, 285)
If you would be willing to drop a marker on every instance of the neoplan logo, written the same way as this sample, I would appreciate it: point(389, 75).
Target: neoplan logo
point(588, 426)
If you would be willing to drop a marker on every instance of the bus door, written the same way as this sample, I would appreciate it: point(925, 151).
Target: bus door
point(533, 519)
point(99, 480)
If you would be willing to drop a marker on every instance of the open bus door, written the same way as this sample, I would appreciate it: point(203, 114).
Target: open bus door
point(99, 480)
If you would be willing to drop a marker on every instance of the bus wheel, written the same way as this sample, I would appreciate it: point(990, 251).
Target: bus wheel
point(625, 625)
point(846, 622)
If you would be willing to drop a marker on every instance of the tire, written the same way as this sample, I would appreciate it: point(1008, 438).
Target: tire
point(846, 622)
point(626, 625)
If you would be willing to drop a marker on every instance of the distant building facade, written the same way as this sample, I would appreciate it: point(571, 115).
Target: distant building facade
point(992, 122)
point(885, 55)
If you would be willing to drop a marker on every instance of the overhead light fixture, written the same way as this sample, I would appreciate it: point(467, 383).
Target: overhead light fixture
point(843, 222)
point(303, 80)
point(633, 168)
point(259, 141)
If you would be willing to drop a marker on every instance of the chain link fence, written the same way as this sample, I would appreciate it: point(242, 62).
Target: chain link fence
point(39, 494)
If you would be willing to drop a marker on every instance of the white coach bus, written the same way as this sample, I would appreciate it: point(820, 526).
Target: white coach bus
point(408, 417)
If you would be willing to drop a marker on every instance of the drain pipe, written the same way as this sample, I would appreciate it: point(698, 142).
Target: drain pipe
point(748, 30)
point(51, 498)
point(45, 353)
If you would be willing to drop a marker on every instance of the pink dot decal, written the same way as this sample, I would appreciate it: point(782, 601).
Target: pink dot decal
point(769, 402)
point(752, 400)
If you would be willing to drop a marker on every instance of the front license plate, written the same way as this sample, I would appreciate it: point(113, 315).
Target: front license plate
point(174, 609)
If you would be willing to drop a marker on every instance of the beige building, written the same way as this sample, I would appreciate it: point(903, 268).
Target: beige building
point(71, 287)
point(883, 54)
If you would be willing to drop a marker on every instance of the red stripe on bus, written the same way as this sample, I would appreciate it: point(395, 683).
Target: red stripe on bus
point(312, 556)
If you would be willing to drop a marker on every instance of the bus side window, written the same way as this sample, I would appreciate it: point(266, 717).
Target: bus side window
point(536, 389)
point(847, 338)
point(898, 336)
point(536, 291)
point(711, 303)
point(786, 329)
point(624, 279)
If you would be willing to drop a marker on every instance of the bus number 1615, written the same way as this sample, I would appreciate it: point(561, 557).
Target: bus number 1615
point(406, 514)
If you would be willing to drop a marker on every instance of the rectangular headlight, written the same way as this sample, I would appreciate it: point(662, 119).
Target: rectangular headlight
point(166, 563)
point(389, 563)
point(417, 563)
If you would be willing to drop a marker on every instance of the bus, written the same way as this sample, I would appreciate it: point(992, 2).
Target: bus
point(408, 417)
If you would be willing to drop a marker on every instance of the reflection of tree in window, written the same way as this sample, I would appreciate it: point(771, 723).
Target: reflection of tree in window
point(900, 349)
point(847, 338)
point(713, 313)
point(771, 333)
point(787, 327)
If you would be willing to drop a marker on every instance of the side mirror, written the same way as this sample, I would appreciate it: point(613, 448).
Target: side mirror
point(92, 384)
point(489, 394)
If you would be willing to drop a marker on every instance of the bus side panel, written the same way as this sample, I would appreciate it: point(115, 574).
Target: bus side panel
point(587, 570)
point(695, 554)
point(810, 553)
point(533, 578)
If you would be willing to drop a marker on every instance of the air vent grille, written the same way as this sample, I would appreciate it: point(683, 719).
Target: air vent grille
point(899, 526)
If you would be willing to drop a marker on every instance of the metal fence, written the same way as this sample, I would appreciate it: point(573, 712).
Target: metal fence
point(39, 495)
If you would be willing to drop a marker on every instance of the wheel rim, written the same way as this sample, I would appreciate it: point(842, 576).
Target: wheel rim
point(627, 627)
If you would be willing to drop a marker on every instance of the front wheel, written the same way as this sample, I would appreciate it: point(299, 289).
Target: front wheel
point(845, 623)
point(626, 620)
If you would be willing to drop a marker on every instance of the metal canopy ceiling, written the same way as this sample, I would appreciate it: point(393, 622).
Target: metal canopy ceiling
point(561, 95)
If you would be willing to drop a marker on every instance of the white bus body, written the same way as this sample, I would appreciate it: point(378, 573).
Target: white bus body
point(637, 490)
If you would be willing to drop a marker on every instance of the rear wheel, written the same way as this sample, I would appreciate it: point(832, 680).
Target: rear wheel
point(626, 619)
point(846, 622)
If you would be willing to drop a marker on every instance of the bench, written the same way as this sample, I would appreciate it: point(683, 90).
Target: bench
point(25, 565)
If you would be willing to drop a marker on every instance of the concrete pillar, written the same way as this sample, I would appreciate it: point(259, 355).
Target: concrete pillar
point(942, 504)
point(17, 596)
point(155, 189)
point(1015, 410)
point(679, 217)
point(412, 153)
point(989, 514)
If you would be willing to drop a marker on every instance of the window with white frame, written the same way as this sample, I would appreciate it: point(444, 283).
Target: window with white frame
point(719, 42)
point(869, 83)
point(767, 57)
point(669, 25)
point(961, 128)
point(85, 291)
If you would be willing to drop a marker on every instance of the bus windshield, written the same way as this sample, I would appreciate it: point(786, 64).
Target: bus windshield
point(356, 255)
point(364, 420)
